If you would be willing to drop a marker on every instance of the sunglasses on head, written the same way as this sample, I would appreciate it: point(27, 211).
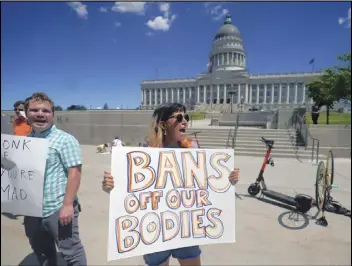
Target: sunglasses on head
point(180, 117)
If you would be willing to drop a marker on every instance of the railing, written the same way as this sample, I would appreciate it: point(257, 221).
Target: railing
point(234, 136)
point(299, 125)
point(228, 138)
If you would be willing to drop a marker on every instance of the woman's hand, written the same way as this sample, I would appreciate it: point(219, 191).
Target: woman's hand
point(234, 176)
point(108, 182)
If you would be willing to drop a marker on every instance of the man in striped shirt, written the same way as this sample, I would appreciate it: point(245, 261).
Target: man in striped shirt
point(59, 224)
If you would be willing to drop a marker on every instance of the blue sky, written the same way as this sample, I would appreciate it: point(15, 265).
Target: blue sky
point(93, 53)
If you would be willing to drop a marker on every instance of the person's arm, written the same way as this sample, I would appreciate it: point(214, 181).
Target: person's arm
point(71, 156)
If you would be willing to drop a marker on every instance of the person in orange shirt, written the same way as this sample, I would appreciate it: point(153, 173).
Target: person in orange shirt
point(20, 125)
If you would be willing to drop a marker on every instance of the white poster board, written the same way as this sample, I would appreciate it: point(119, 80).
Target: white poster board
point(23, 161)
point(169, 198)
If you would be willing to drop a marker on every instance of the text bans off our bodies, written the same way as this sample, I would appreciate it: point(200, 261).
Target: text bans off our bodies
point(191, 185)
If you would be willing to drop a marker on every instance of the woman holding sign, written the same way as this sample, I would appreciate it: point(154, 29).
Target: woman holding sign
point(169, 131)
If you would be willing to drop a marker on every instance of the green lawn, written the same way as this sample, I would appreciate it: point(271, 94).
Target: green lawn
point(334, 118)
point(197, 115)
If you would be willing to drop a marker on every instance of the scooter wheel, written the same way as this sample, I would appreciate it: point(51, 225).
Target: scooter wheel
point(253, 189)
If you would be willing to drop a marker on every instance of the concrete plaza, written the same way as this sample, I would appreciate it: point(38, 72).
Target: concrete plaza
point(261, 235)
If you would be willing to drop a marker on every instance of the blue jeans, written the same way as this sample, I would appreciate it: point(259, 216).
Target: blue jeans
point(158, 258)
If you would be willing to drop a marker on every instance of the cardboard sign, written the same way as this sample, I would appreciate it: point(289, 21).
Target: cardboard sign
point(23, 161)
point(169, 198)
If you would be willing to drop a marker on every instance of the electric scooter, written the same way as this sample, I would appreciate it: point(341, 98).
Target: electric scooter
point(302, 203)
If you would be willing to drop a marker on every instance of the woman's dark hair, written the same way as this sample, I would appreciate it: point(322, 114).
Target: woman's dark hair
point(163, 112)
point(18, 103)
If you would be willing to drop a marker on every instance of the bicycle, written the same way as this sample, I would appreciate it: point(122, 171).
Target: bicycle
point(324, 179)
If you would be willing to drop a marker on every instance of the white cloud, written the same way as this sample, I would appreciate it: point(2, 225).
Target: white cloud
point(129, 7)
point(217, 12)
point(117, 24)
point(103, 9)
point(162, 23)
point(80, 9)
point(346, 20)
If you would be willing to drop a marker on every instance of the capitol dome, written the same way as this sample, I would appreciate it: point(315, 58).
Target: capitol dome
point(227, 51)
point(227, 29)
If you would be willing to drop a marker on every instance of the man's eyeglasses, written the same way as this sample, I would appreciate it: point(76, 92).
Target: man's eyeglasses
point(180, 117)
point(18, 110)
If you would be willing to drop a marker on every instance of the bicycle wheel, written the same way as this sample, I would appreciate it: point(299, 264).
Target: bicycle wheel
point(320, 186)
point(330, 169)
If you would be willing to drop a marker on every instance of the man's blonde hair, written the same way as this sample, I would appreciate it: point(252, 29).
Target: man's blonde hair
point(38, 97)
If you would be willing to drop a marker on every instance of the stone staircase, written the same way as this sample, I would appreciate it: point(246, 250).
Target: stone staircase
point(248, 141)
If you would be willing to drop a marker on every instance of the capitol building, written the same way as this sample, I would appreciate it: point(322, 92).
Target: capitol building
point(228, 81)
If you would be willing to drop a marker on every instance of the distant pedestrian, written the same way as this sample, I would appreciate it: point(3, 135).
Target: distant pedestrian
point(59, 224)
point(315, 114)
point(117, 142)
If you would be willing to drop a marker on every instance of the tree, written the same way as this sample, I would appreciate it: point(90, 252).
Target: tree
point(332, 86)
point(76, 107)
point(106, 107)
point(58, 108)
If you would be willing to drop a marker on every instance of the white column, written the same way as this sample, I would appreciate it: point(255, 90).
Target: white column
point(288, 93)
point(296, 92)
point(238, 93)
point(178, 95)
point(198, 94)
point(172, 94)
point(304, 93)
point(167, 95)
point(272, 93)
point(250, 93)
point(225, 94)
point(184, 95)
point(205, 94)
point(218, 94)
point(265, 92)
point(150, 97)
point(155, 96)
point(161, 96)
point(258, 93)
point(280, 93)
point(246, 96)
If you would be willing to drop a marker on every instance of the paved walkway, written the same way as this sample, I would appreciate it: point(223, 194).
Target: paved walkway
point(261, 237)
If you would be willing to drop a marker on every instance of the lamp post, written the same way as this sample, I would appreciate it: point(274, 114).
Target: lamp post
point(242, 101)
point(231, 93)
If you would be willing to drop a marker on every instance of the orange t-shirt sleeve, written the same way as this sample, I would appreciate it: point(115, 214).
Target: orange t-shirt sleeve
point(21, 129)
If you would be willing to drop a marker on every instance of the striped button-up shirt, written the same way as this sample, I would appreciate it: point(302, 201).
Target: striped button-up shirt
point(64, 153)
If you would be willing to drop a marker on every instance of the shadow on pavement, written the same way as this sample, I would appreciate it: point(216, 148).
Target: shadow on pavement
point(31, 260)
point(291, 219)
point(11, 216)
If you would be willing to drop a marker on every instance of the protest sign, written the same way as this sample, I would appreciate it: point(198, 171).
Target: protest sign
point(169, 198)
point(23, 161)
